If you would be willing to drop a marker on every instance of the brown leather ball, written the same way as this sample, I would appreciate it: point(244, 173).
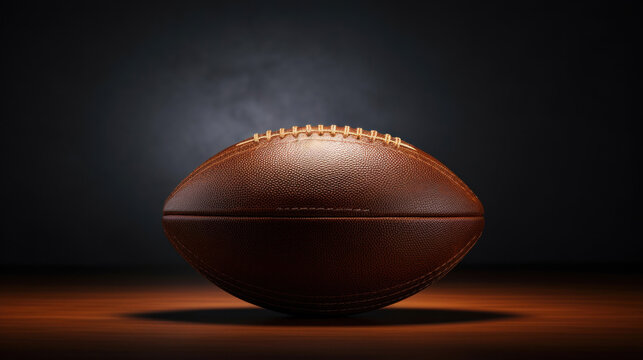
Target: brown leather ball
point(322, 220)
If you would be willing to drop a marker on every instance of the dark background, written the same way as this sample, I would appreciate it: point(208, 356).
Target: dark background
point(106, 107)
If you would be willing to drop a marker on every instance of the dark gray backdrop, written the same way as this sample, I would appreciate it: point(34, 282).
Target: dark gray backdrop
point(107, 107)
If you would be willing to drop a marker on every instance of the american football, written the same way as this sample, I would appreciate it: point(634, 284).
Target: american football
point(322, 220)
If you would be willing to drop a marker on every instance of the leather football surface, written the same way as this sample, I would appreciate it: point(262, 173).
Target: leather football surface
point(322, 220)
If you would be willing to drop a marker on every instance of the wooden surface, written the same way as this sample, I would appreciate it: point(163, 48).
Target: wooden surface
point(469, 315)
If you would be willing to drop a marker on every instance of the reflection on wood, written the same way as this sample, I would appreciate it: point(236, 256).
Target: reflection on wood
point(469, 315)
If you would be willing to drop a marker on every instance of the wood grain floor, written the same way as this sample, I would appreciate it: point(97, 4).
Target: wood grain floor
point(469, 315)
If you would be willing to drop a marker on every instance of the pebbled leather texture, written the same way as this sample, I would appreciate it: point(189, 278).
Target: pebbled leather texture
point(313, 222)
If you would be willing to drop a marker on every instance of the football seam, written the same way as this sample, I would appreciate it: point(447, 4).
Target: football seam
point(321, 208)
point(440, 168)
point(234, 214)
point(419, 279)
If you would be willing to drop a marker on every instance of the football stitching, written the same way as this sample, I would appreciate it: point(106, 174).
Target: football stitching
point(437, 270)
point(359, 132)
point(346, 132)
point(440, 168)
point(282, 133)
